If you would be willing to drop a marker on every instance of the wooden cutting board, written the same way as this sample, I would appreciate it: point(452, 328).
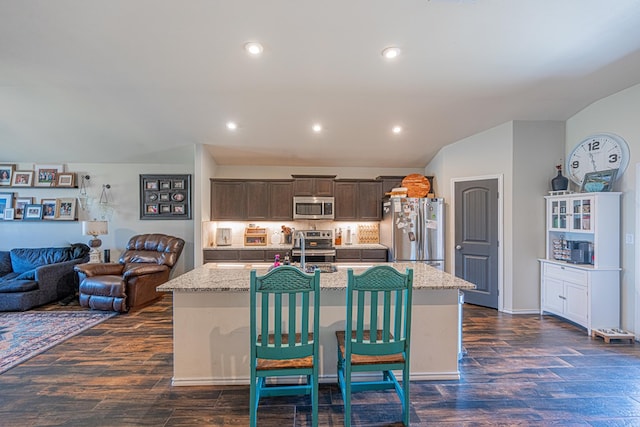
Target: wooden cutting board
point(417, 185)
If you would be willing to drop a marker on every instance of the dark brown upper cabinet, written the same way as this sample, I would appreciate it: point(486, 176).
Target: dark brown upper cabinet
point(358, 200)
point(266, 200)
point(313, 185)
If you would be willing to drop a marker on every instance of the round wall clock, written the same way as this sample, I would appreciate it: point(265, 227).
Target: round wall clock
point(598, 152)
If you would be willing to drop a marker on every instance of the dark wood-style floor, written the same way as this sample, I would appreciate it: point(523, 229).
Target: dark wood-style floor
point(520, 370)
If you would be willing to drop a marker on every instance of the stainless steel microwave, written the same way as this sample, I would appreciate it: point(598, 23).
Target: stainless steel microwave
point(313, 207)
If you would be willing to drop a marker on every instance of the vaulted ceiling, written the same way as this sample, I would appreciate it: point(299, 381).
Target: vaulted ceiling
point(126, 80)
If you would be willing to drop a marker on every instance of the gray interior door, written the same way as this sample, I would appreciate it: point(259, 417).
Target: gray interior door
point(476, 239)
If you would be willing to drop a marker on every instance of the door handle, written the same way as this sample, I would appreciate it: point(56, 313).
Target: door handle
point(458, 247)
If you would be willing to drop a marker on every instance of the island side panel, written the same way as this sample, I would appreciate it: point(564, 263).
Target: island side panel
point(211, 336)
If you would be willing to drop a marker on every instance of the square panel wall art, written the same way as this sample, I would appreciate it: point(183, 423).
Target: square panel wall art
point(165, 196)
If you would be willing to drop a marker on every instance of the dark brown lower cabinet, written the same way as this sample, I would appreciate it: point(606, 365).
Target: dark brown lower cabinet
point(361, 255)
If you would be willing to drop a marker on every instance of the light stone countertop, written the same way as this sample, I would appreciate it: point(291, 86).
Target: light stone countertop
point(289, 247)
point(234, 277)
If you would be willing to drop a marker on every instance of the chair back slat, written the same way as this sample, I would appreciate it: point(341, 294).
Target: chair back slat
point(264, 318)
point(380, 300)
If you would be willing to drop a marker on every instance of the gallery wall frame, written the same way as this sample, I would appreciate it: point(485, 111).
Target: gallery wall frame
point(48, 208)
point(66, 209)
point(165, 196)
point(21, 202)
point(9, 214)
point(6, 201)
point(45, 175)
point(6, 172)
point(22, 179)
point(32, 213)
point(66, 179)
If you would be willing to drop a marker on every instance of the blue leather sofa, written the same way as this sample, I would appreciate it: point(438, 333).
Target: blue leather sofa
point(30, 277)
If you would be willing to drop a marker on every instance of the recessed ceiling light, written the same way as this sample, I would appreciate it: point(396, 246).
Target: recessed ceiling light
point(397, 129)
point(391, 52)
point(232, 125)
point(253, 48)
point(317, 128)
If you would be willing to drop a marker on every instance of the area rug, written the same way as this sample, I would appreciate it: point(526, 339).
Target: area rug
point(24, 335)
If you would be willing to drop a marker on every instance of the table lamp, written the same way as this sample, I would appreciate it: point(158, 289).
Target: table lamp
point(94, 228)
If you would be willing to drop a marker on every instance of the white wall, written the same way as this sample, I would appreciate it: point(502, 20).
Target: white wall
point(618, 114)
point(122, 212)
point(537, 150)
point(205, 168)
point(285, 172)
point(483, 154)
point(524, 153)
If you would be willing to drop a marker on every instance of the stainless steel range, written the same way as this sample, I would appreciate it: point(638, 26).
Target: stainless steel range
point(318, 246)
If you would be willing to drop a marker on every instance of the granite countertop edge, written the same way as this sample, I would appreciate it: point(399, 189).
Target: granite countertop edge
point(211, 278)
point(288, 247)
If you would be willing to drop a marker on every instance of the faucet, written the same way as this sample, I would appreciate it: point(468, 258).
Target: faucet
point(302, 249)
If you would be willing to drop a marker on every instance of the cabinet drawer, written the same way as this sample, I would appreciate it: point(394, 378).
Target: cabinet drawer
point(566, 273)
point(226, 255)
point(378, 255)
point(347, 255)
point(252, 255)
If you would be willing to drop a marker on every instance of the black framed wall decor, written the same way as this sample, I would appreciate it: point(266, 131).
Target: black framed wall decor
point(165, 196)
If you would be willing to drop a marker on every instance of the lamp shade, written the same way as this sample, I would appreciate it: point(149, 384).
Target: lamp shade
point(94, 228)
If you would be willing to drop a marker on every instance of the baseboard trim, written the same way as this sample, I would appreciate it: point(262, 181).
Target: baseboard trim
point(419, 376)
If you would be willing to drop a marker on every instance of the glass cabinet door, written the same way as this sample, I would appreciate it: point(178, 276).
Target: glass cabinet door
point(581, 214)
point(558, 214)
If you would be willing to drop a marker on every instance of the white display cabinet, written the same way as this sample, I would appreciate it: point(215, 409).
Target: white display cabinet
point(582, 286)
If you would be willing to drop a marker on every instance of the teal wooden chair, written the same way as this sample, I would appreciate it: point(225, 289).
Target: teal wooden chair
point(285, 313)
point(378, 322)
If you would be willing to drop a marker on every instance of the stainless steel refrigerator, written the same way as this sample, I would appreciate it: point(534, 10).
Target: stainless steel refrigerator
point(413, 230)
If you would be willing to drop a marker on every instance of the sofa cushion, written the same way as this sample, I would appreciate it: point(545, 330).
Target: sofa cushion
point(25, 259)
point(5, 263)
point(9, 276)
point(18, 286)
point(27, 275)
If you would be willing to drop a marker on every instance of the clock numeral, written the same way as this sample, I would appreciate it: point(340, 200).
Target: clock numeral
point(594, 145)
point(575, 164)
point(613, 158)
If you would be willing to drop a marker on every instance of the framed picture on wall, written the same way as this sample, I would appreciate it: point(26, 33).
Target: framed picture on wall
point(22, 179)
point(172, 191)
point(48, 208)
point(66, 179)
point(66, 209)
point(6, 201)
point(32, 213)
point(6, 172)
point(46, 175)
point(21, 202)
point(9, 214)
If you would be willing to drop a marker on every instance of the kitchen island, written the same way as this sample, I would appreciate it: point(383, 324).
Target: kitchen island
point(211, 322)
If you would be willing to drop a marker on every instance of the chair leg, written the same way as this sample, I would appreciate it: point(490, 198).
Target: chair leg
point(406, 401)
point(254, 399)
point(314, 398)
point(253, 410)
point(347, 395)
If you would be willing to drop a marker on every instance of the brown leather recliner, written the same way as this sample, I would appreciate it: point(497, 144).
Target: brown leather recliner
point(130, 284)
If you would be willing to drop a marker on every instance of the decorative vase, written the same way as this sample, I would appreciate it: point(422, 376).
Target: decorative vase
point(560, 182)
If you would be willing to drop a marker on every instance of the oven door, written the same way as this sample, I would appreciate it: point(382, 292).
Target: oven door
point(314, 256)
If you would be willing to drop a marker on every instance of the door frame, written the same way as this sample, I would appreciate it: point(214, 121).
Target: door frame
point(500, 178)
point(636, 247)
